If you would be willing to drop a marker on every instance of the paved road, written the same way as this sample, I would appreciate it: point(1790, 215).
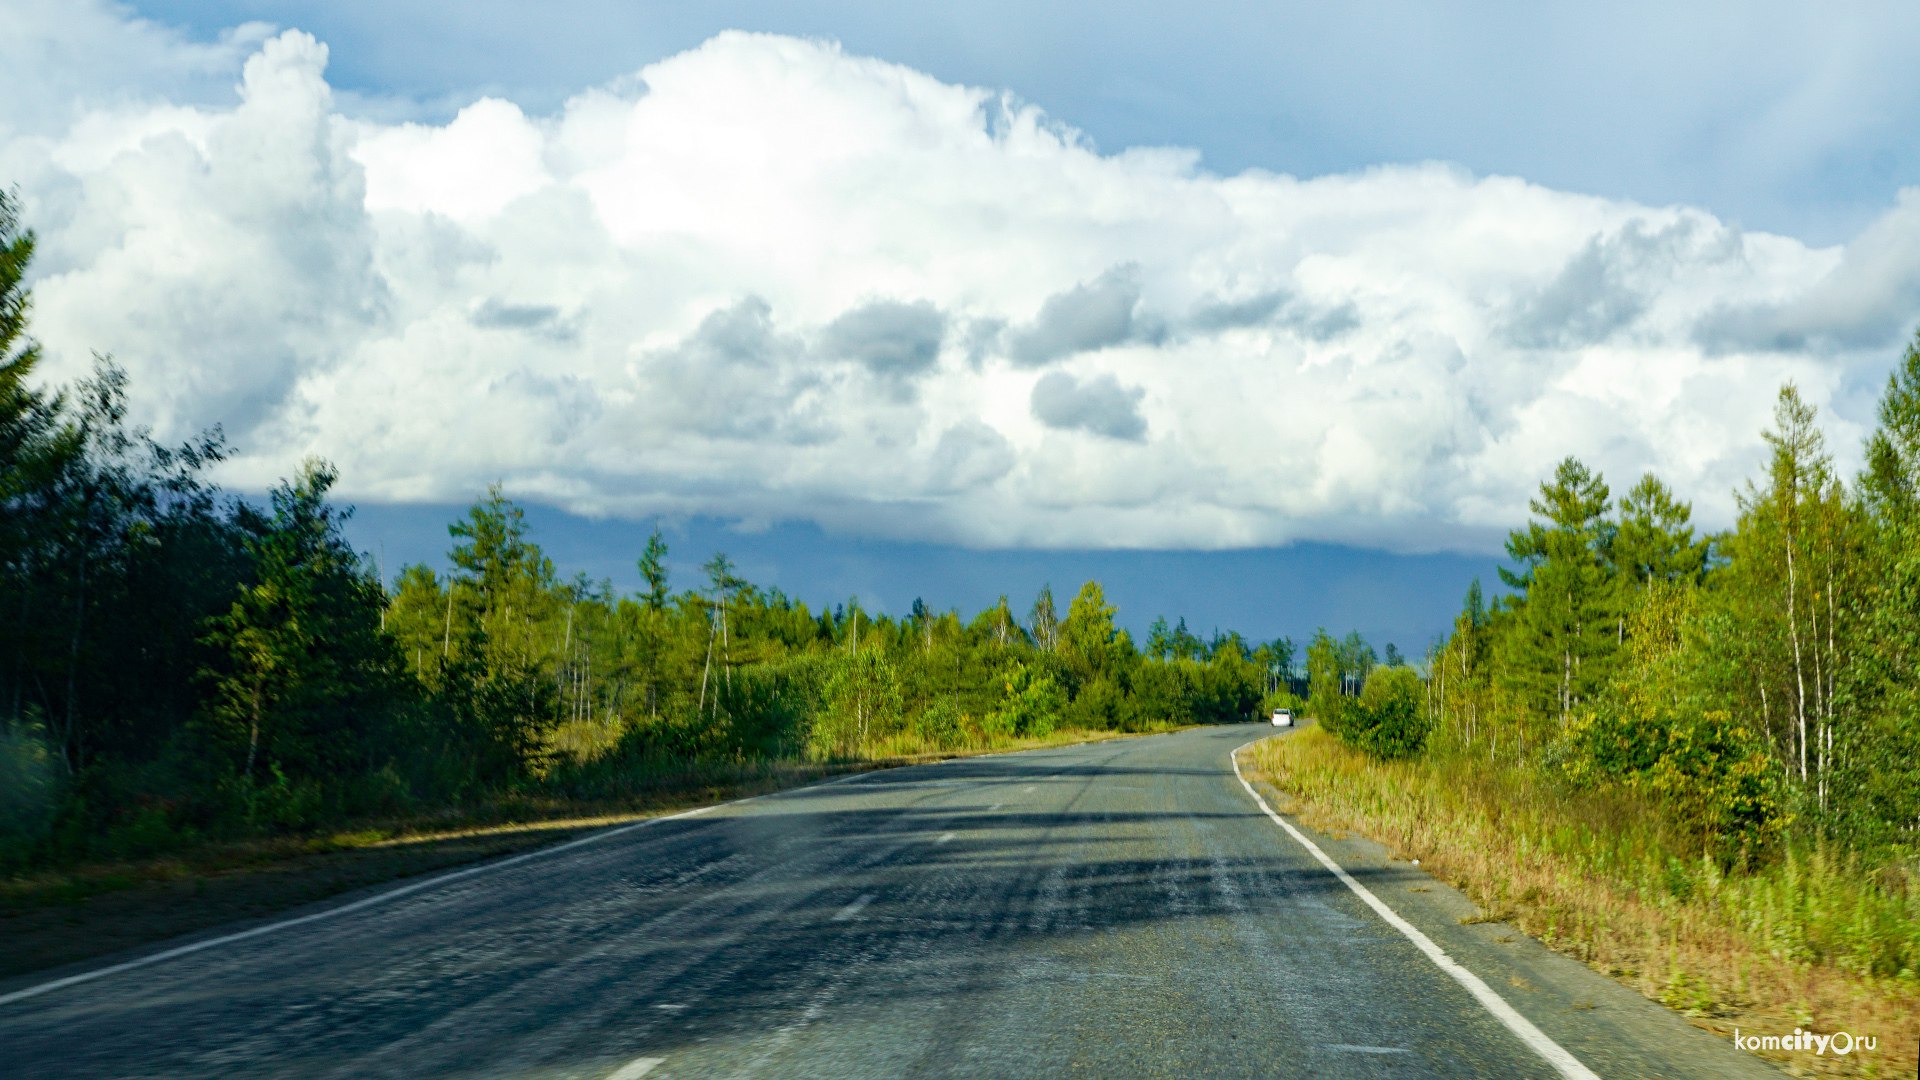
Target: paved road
point(1121, 909)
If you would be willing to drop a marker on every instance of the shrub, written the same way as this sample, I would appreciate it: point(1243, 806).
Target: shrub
point(1389, 719)
point(939, 723)
point(1031, 707)
point(29, 790)
point(1711, 773)
point(860, 701)
point(1098, 706)
point(1163, 692)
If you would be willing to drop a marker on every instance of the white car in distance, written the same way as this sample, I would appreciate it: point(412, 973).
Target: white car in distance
point(1283, 718)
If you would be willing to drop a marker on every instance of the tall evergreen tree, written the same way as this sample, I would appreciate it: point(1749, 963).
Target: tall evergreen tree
point(653, 570)
point(1654, 540)
point(1565, 629)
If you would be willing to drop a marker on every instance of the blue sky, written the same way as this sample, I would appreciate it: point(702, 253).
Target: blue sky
point(1778, 116)
point(1271, 315)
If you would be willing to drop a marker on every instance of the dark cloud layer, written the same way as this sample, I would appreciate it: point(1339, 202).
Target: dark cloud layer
point(1098, 314)
point(1099, 405)
point(888, 337)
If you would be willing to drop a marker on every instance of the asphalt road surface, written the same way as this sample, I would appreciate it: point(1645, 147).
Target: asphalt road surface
point(1113, 910)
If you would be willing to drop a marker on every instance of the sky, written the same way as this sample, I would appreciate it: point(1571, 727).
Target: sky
point(1238, 305)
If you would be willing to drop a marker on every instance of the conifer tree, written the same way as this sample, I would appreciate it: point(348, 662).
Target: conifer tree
point(1565, 629)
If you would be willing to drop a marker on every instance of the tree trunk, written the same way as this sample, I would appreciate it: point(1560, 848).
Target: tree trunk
point(1793, 634)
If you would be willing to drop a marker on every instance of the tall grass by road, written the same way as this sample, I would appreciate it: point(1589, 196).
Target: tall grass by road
point(1813, 939)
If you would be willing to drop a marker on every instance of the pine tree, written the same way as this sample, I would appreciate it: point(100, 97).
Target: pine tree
point(1654, 539)
point(653, 570)
point(1566, 630)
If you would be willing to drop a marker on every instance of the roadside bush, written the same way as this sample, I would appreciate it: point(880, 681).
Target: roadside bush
point(860, 702)
point(29, 792)
point(1225, 692)
point(1099, 706)
point(1279, 699)
point(1711, 774)
point(1388, 720)
point(1031, 707)
point(767, 706)
point(1163, 693)
point(940, 723)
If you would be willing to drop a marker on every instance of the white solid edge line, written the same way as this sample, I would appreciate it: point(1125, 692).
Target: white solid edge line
point(392, 894)
point(365, 902)
point(1556, 1055)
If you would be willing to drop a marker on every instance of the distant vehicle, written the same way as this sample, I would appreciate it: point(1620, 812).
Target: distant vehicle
point(1283, 718)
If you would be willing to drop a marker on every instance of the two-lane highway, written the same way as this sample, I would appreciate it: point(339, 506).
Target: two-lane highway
point(1117, 909)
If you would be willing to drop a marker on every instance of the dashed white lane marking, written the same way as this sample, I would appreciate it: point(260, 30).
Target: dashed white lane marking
point(671, 1008)
point(635, 1069)
point(995, 806)
point(1350, 1048)
point(1555, 1055)
point(946, 837)
point(853, 909)
point(1029, 787)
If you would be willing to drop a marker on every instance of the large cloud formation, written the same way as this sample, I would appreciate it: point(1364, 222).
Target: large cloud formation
point(766, 280)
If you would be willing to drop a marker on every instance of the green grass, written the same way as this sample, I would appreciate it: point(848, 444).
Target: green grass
point(1813, 937)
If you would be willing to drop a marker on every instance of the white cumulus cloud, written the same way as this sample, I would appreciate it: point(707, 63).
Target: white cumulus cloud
point(765, 279)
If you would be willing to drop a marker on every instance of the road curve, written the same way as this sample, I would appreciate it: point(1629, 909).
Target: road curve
point(1117, 909)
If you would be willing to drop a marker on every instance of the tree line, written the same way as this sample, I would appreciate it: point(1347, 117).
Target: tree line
point(1761, 685)
point(179, 663)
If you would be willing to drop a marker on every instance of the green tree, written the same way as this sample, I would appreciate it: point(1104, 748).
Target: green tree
point(1323, 679)
point(1045, 620)
point(1654, 540)
point(653, 570)
point(1357, 659)
point(307, 673)
point(1565, 629)
point(1087, 638)
point(1159, 639)
point(861, 701)
point(1883, 763)
point(1791, 589)
point(1388, 720)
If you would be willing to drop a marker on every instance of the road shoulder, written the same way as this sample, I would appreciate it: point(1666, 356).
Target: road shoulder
point(1608, 1027)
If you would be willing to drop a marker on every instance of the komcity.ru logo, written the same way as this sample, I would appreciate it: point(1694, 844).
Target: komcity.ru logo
point(1840, 1042)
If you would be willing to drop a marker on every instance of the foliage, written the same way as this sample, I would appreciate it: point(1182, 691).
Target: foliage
point(1324, 697)
point(1031, 706)
point(1389, 719)
point(1757, 687)
point(29, 788)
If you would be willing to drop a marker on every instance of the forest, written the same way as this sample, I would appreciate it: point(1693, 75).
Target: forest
point(1687, 758)
point(178, 664)
point(1759, 684)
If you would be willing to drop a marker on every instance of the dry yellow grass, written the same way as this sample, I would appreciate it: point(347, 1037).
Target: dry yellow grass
point(1812, 941)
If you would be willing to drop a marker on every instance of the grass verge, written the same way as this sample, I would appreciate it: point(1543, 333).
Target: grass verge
point(1814, 940)
point(59, 916)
